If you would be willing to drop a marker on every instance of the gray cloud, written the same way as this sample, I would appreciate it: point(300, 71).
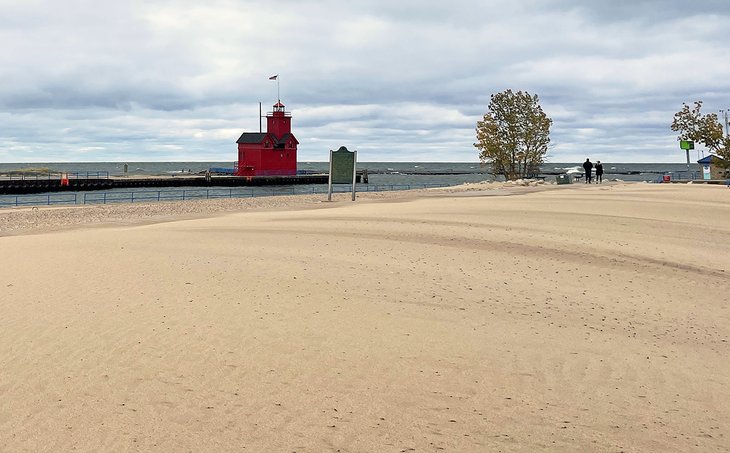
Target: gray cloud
point(164, 80)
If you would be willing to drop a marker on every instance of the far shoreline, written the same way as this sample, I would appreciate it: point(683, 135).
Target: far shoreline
point(40, 219)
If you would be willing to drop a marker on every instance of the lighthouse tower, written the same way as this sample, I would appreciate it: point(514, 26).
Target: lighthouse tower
point(273, 152)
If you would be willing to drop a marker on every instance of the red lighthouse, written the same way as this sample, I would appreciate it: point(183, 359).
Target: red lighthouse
point(273, 152)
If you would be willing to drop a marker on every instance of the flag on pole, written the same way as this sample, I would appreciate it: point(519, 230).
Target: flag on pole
point(274, 77)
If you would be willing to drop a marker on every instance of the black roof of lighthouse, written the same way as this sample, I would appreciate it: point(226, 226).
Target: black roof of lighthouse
point(286, 136)
point(252, 137)
point(258, 137)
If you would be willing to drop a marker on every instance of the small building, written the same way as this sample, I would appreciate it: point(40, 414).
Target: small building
point(273, 152)
point(711, 167)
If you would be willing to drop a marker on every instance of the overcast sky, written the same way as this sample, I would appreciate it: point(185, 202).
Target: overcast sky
point(398, 80)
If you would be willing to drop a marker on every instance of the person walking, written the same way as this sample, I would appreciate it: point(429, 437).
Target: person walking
point(599, 172)
point(588, 166)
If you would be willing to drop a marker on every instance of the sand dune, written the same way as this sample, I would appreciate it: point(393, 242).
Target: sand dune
point(572, 319)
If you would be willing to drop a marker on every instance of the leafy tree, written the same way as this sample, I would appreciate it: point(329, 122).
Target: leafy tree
point(513, 136)
point(693, 125)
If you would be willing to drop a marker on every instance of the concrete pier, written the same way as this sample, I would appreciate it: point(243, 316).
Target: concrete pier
point(56, 184)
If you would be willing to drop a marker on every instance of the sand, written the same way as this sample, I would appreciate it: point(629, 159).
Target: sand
point(578, 318)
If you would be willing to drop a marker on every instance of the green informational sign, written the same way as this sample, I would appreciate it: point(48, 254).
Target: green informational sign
point(343, 165)
point(686, 144)
point(342, 169)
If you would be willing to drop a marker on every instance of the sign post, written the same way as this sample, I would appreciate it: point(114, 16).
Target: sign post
point(343, 170)
point(687, 145)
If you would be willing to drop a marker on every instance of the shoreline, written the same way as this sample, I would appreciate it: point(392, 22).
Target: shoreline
point(30, 219)
point(43, 218)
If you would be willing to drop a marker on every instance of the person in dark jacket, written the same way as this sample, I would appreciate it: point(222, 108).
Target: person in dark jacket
point(588, 166)
point(599, 172)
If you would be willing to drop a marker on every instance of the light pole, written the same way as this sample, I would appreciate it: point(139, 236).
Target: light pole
point(724, 115)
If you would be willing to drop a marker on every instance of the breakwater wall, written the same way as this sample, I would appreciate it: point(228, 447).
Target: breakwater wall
point(40, 185)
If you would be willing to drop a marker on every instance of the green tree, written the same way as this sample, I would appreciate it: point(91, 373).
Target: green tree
point(514, 134)
point(693, 125)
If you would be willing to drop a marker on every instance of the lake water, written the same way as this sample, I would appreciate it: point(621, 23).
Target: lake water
point(449, 173)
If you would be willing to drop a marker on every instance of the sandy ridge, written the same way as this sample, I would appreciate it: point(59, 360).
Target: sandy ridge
point(17, 220)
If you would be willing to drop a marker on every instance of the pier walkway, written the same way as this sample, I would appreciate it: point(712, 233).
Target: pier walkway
point(57, 183)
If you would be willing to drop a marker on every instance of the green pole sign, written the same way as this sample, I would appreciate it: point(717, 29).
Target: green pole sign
point(686, 144)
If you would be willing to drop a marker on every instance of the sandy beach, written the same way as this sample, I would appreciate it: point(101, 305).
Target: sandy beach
point(486, 318)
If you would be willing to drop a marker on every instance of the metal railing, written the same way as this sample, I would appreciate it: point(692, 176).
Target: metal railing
point(678, 176)
point(36, 200)
point(684, 174)
point(189, 194)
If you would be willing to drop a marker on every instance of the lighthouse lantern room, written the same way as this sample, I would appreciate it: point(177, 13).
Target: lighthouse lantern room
point(273, 152)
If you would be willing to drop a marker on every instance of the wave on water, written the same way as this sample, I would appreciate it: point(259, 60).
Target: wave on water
point(571, 170)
